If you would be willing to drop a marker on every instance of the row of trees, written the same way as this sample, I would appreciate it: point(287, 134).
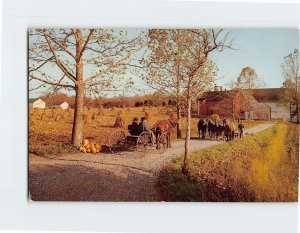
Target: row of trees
point(149, 100)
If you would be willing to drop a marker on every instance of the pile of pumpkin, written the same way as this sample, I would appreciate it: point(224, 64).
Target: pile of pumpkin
point(89, 147)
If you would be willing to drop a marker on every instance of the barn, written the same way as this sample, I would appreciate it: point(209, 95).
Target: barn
point(271, 97)
point(37, 103)
point(233, 103)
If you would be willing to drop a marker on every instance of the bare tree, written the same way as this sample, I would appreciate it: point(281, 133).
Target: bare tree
point(180, 65)
point(247, 80)
point(290, 70)
point(82, 60)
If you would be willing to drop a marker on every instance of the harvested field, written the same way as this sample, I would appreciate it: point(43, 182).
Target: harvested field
point(50, 129)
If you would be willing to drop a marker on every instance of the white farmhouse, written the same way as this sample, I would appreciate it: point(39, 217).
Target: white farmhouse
point(37, 103)
point(64, 105)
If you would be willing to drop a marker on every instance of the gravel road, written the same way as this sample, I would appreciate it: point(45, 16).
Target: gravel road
point(128, 176)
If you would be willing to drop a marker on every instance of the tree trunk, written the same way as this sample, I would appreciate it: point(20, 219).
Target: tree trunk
point(178, 121)
point(77, 131)
point(297, 111)
point(185, 167)
point(291, 113)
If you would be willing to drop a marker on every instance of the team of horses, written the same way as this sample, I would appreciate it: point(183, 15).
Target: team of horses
point(221, 129)
point(215, 129)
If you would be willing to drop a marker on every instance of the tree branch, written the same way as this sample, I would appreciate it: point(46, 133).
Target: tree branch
point(85, 44)
point(58, 62)
point(56, 42)
point(51, 83)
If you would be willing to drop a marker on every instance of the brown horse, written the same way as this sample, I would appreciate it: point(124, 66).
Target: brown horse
point(165, 126)
point(229, 129)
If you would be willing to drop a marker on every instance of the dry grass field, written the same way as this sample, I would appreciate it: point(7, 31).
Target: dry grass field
point(50, 129)
point(262, 167)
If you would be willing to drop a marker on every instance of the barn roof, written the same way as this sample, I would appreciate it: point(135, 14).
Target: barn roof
point(32, 100)
point(267, 94)
point(218, 95)
point(262, 94)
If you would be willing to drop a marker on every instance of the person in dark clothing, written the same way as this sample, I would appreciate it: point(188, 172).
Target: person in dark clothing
point(144, 127)
point(241, 129)
point(134, 128)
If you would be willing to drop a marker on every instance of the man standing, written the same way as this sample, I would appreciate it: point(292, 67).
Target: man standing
point(241, 129)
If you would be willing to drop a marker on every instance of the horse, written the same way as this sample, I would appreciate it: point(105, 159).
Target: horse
point(164, 126)
point(219, 128)
point(211, 129)
point(202, 128)
point(229, 129)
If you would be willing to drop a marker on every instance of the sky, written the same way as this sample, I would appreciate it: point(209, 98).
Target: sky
point(261, 49)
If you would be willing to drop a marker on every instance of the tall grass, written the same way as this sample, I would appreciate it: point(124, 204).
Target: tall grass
point(261, 167)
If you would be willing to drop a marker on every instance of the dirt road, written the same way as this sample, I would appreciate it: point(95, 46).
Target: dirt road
point(106, 177)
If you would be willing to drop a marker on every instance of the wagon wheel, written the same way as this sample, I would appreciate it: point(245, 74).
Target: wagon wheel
point(162, 143)
point(143, 142)
point(117, 142)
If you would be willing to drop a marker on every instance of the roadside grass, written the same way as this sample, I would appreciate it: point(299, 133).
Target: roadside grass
point(54, 150)
point(262, 167)
point(50, 130)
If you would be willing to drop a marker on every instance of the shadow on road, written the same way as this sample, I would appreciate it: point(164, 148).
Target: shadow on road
point(81, 183)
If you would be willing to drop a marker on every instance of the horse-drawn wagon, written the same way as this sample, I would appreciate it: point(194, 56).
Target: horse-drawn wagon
point(159, 138)
point(122, 140)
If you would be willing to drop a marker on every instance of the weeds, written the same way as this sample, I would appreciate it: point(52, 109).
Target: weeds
point(261, 167)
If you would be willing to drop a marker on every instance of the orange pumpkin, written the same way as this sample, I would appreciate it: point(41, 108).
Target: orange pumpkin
point(85, 142)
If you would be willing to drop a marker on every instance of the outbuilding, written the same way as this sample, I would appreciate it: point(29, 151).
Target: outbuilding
point(64, 105)
point(37, 103)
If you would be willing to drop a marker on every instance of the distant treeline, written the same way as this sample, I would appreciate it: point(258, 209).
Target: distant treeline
point(154, 100)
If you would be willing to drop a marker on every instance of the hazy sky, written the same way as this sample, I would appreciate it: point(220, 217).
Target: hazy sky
point(262, 49)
